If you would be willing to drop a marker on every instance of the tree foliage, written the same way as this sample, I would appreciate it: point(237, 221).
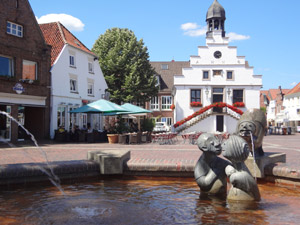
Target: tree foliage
point(125, 65)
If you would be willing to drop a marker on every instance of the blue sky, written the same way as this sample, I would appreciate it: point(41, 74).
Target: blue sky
point(265, 31)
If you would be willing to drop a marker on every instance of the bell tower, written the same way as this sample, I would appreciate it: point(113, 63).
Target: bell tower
point(215, 19)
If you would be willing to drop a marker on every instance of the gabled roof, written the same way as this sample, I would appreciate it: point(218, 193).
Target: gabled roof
point(167, 75)
point(264, 98)
point(294, 90)
point(272, 93)
point(57, 35)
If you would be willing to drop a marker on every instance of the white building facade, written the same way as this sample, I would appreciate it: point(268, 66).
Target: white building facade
point(76, 79)
point(216, 74)
point(291, 103)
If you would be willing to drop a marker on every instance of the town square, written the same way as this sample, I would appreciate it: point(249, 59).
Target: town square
point(107, 122)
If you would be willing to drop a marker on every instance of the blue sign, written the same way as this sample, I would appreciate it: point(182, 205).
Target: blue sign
point(18, 88)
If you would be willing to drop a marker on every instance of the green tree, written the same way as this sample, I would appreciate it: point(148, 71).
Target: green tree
point(125, 65)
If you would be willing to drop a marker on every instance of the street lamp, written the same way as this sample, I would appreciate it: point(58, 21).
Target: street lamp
point(206, 92)
point(228, 92)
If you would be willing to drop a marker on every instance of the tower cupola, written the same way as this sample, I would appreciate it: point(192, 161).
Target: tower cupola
point(215, 19)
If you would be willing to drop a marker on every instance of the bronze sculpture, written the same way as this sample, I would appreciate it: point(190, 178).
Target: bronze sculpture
point(210, 169)
point(254, 122)
point(244, 186)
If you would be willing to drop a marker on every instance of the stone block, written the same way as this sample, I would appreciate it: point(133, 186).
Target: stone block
point(110, 161)
point(257, 168)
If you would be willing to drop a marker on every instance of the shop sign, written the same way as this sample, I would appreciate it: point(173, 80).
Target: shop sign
point(18, 88)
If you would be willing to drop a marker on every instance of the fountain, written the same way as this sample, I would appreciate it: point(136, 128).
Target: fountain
point(51, 175)
point(131, 200)
point(252, 128)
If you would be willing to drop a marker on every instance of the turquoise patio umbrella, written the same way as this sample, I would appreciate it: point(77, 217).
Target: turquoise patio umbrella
point(135, 109)
point(130, 109)
point(100, 106)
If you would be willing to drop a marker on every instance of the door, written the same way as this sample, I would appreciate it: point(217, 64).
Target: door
point(21, 120)
point(5, 123)
point(220, 123)
point(217, 97)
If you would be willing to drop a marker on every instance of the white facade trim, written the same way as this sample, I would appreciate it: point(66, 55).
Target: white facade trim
point(23, 99)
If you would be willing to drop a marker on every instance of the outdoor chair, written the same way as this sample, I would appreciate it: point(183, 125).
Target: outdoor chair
point(133, 138)
point(122, 138)
point(81, 137)
point(90, 137)
point(155, 138)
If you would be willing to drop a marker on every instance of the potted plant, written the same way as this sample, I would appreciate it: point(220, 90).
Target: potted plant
point(113, 136)
point(147, 126)
point(196, 104)
point(112, 132)
point(172, 107)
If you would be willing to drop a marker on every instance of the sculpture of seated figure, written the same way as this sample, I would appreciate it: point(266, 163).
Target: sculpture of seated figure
point(210, 169)
point(243, 185)
point(253, 122)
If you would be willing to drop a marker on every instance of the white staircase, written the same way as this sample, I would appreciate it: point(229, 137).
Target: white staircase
point(203, 116)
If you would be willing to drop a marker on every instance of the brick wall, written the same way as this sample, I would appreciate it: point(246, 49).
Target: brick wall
point(30, 47)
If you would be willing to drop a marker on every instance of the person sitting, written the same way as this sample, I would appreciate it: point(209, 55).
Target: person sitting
point(75, 133)
point(61, 129)
point(89, 128)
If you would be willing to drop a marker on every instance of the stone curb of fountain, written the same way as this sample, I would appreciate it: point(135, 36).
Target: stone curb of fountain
point(31, 172)
point(280, 170)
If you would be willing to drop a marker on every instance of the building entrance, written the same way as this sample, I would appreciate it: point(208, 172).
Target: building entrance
point(5, 123)
point(217, 97)
point(220, 123)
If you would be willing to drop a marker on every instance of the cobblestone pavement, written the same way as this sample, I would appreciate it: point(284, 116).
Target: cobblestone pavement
point(179, 154)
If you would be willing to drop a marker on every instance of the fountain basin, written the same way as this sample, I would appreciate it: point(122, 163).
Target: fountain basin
point(143, 201)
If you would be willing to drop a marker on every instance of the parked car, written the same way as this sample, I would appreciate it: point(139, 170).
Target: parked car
point(161, 127)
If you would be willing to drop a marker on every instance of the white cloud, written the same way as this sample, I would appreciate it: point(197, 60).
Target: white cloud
point(195, 30)
point(70, 22)
point(237, 37)
point(294, 84)
point(189, 26)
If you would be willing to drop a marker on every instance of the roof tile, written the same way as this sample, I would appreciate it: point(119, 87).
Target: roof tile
point(294, 90)
point(167, 75)
point(57, 36)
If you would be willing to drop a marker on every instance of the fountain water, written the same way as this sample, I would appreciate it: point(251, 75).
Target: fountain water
point(51, 175)
point(253, 154)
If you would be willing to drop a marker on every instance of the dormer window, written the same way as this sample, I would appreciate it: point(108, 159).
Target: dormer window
point(164, 66)
point(157, 81)
point(14, 29)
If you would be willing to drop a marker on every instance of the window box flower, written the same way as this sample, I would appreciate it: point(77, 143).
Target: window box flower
point(239, 104)
point(172, 107)
point(196, 104)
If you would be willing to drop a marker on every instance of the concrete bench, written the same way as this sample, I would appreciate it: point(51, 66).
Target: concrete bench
point(110, 161)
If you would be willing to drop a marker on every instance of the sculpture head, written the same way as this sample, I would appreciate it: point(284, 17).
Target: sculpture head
point(252, 121)
point(209, 143)
point(235, 149)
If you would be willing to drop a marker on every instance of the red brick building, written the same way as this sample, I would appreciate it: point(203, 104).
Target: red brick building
point(24, 72)
point(161, 105)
